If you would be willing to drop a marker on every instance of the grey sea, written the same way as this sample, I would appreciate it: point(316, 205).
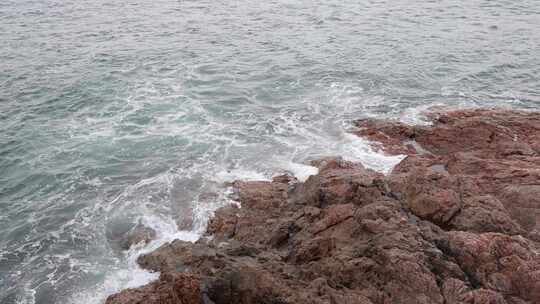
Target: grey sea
point(125, 112)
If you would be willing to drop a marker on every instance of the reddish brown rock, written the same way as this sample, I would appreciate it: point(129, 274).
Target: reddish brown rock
point(392, 137)
point(494, 133)
point(334, 215)
point(312, 250)
point(456, 222)
point(223, 224)
point(484, 213)
point(506, 264)
point(429, 191)
point(260, 195)
point(170, 288)
point(339, 182)
point(523, 202)
point(457, 292)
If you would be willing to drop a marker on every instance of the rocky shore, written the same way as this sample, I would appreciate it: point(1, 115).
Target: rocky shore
point(457, 221)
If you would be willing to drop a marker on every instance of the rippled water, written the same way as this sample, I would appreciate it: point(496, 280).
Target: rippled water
point(119, 112)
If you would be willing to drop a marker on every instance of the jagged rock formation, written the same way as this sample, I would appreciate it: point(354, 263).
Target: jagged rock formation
point(456, 222)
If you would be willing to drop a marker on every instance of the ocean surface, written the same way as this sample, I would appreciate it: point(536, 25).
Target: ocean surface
point(119, 112)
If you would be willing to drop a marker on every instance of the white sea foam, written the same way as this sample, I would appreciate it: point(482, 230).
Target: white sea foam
point(29, 296)
point(300, 171)
point(359, 149)
point(415, 116)
point(238, 174)
point(128, 274)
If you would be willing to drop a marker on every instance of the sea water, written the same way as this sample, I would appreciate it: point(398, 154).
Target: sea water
point(114, 113)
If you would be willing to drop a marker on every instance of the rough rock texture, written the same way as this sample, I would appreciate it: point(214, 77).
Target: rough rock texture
point(456, 222)
point(177, 288)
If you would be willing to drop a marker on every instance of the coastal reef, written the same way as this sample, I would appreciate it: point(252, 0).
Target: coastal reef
point(457, 221)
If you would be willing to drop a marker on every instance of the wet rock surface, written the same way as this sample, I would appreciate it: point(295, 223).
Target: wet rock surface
point(139, 234)
point(457, 221)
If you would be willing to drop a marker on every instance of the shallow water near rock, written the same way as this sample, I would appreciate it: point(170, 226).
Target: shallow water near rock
point(126, 112)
